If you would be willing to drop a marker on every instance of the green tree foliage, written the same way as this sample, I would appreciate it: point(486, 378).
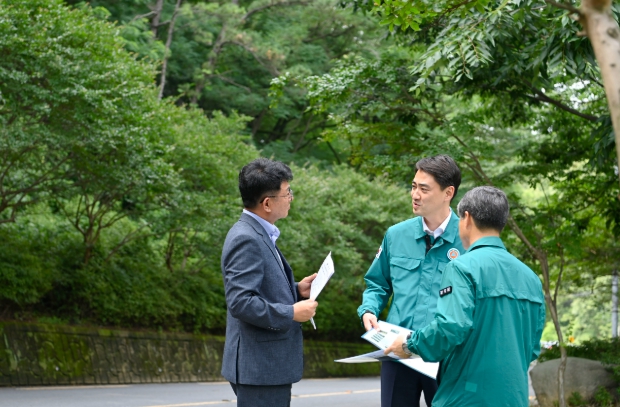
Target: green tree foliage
point(224, 55)
point(123, 200)
point(115, 203)
point(345, 213)
point(77, 119)
point(103, 165)
point(542, 146)
point(67, 94)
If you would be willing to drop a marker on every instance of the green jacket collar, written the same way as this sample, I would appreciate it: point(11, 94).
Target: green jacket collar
point(487, 241)
point(449, 235)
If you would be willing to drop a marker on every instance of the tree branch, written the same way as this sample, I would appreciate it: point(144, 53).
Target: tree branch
point(559, 282)
point(272, 70)
point(225, 79)
point(129, 237)
point(334, 152)
point(568, 7)
point(267, 6)
point(564, 107)
point(141, 16)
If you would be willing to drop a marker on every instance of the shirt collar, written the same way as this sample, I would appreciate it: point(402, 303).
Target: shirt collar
point(487, 241)
point(450, 234)
point(272, 230)
point(439, 231)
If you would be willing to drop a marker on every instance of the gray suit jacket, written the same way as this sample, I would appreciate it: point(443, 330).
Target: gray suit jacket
point(264, 346)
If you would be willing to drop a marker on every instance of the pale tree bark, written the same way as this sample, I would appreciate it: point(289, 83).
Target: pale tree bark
point(164, 66)
point(600, 26)
point(598, 21)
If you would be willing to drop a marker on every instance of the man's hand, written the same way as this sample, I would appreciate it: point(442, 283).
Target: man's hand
point(397, 348)
point(304, 310)
point(304, 286)
point(370, 321)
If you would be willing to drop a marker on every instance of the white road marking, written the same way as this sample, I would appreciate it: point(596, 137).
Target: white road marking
point(201, 403)
point(72, 387)
point(295, 396)
point(339, 393)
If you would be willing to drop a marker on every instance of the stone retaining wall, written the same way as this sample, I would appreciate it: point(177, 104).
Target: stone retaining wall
point(38, 354)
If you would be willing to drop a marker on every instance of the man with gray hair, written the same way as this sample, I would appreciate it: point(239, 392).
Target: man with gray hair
point(490, 314)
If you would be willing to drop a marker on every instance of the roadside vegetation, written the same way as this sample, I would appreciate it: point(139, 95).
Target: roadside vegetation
point(123, 126)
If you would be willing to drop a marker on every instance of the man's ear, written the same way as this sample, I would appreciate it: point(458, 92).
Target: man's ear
point(468, 220)
point(267, 204)
point(449, 191)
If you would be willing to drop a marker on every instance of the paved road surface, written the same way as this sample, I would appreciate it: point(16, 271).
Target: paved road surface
point(355, 392)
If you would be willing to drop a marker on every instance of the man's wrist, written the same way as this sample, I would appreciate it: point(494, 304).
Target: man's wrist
point(405, 347)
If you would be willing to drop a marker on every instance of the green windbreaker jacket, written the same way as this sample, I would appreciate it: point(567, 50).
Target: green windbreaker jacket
point(490, 317)
point(402, 269)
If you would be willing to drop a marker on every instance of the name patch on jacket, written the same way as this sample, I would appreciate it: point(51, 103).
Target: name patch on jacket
point(445, 291)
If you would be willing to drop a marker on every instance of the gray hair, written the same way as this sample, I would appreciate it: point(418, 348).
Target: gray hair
point(488, 206)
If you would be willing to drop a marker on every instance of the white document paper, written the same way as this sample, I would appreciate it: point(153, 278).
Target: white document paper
point(382, 339)
point(376, 356)
point(415, 362)
point(324, 274)
point(387, 333)
point(426, 368)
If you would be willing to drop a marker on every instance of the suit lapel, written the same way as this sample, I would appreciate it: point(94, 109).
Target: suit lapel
point(288, 271)
point(274, 250)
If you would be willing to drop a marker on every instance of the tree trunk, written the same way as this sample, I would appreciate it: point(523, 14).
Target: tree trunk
point(157, 17)
point(553, 311)
point(614, 305)
point(210, 65)
point(170, 246)
point(561, 370)
point(164, 66)
point(597, 18)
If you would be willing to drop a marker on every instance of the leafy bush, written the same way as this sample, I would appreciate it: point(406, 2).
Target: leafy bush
point(576, 400)
point(25, 277)
point(603, 398)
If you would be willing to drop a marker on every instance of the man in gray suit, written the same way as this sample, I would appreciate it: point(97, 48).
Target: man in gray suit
point(263, 353)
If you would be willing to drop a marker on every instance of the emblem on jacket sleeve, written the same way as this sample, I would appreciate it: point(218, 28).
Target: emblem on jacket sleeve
point(453, 253)
point(379, 252)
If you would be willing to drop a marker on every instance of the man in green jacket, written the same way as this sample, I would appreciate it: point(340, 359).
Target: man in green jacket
point(490, 315)
point(408, 269)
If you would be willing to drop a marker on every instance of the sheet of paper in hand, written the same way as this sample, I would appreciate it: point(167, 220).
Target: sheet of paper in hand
point(382, 338)
point(325, 273)
point(376, 356)
point(387, 333)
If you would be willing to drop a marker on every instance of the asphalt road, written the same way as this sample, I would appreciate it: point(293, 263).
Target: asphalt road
point(354, 392)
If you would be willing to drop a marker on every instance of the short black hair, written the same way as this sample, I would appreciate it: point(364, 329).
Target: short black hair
point(443, 168)
point(488, 207)
point(260, 178)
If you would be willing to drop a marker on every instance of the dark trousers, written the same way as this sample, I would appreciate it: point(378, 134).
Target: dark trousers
point(402, 386)
point(262, 396)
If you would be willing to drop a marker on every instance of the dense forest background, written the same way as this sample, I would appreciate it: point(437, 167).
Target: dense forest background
point(124, 124)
